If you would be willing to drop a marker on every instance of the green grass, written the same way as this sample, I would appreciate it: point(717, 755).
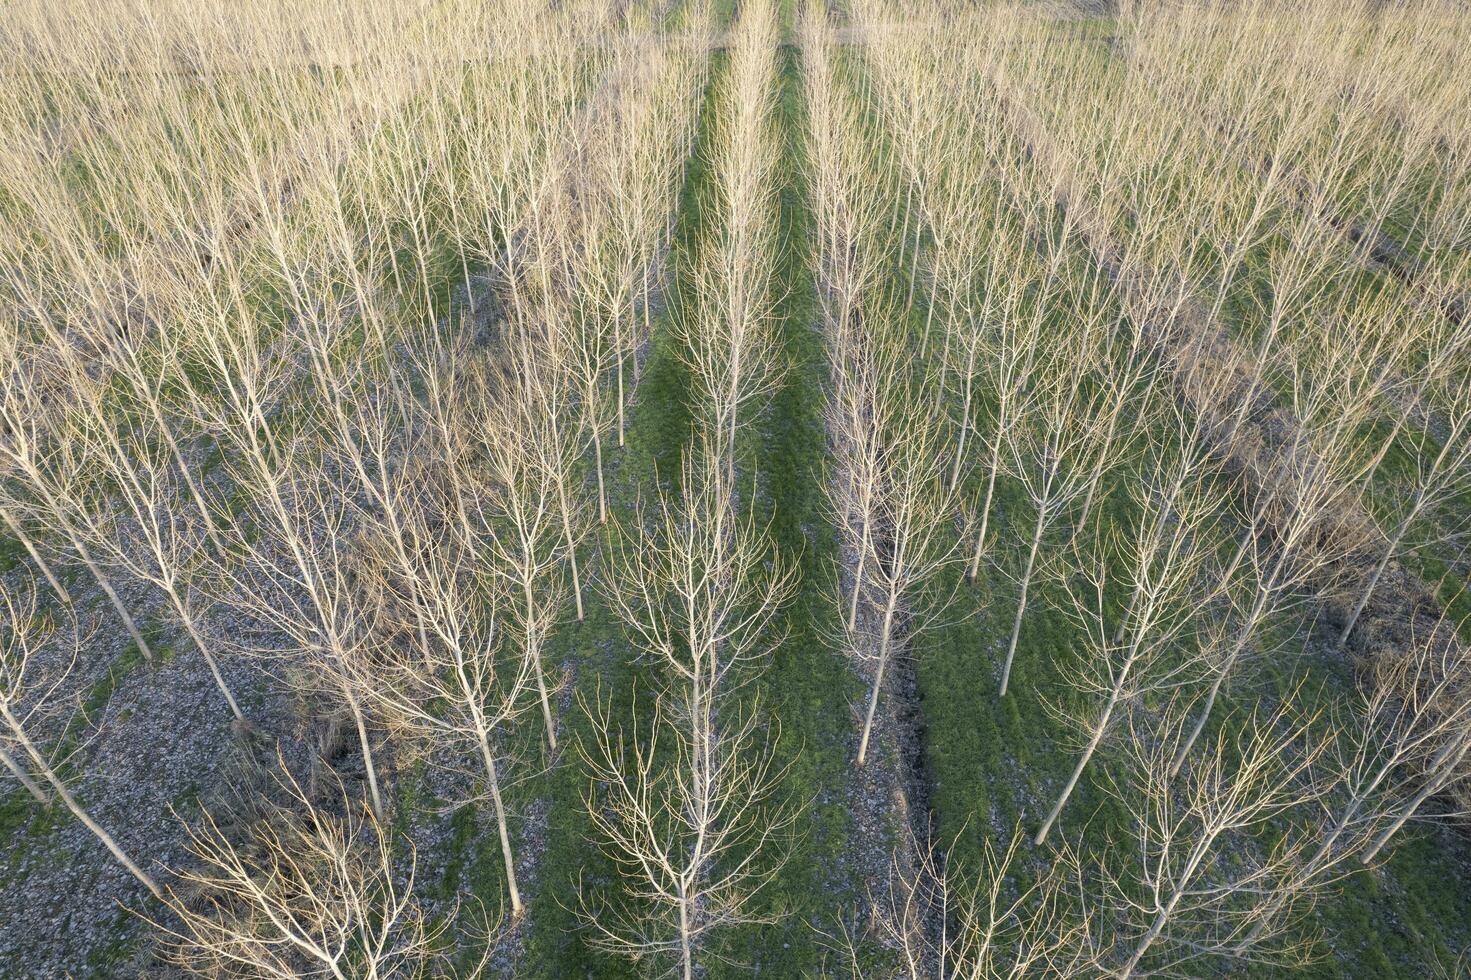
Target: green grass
point(659, 426)
point(807, 686)
point(999, 763)
point(994, 763)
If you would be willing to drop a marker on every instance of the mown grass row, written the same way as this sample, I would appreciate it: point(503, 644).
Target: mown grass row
point(805, 689)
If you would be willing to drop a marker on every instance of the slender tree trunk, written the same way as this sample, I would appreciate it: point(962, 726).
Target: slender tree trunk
point(1163, 917)
point(1097, 475)
point(194, 491)
point(102, 835)
point(1209, 701)
point(1155, 928)
point(904, 229)
point(500, 822)
point(372, 772)
point(1072, 783)
point(35, 554)
point(648, 331)
point(1248, 626)
point(621, 348)
point(1315, 862)
point(597, 444)
point(878, 677)
point(975, 559)
point(686, 938)
point(469, 287)
point(858, 575)
point(117, 604)
point(914, 264)
point(929, 315)
point(1021, 606)
point(64, 794)
point(1205, 713)
point(19, 773)
point(533, 650)
point(1389, 551)
point(571, 549)
point(964, 420)
point(734, 421)
point(214, 667)
point(1428, 789)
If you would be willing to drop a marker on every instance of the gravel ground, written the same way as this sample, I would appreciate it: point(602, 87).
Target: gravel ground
point(163, 737)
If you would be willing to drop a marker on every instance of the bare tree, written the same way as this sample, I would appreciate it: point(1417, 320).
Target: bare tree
point(1282, 547)
point(301, 889)
point(1052, 448)
point(1404, 741)
point(1012, 357)
point(454, 689)
point(888, 491)
point(1441, 473)
point(1203, 882)
point(1416, 736)
point(512, 432)
point(996, 922)
point(849, 220)
point(688, 811)
point(914, 510)
point(42, 565)
point(301, 574)
point(728, 341)
point(49, 470)
point(1137, 595)
point(136, 519)
point(541, 367)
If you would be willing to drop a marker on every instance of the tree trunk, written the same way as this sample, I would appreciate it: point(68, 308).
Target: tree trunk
point(597, 444)
point(194, 491)
point(1389, 550)
point(1210, 701)
point(964, 421)
point(500, 822)
point(48, 774)
point(929, 316)
point(904, 230)
point(117, 605)
point(686, 937)
point(1147, 941)
point(214, 668)
point(858, 576)
point(1429, 788)
point(914, 263)
point(19, 773)
point(1072, 782)
point(571, 549)
point(102, 835)
point(1163, 918)
point(36, 558)
point(975, 560)
point(533, 650)
point(1097, 475)
point(1021, 606)
point(878, 677)
point(362, 726)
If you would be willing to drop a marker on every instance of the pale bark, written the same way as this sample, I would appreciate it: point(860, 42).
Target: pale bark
point(35, 554)
point(18, 771)
point(18, 731)
point(493, 780)
point(878, 676)
point(1021, 605)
